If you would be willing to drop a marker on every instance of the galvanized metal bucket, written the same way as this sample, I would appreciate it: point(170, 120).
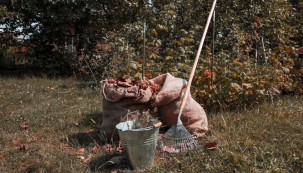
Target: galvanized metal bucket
point(139, 145)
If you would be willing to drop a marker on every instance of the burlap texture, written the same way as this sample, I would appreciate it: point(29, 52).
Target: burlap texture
point(168, 102)
point(165, 92)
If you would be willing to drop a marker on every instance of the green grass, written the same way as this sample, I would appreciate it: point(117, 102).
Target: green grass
point(65, 115)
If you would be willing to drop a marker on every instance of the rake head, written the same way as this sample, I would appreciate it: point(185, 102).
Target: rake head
point(177, 140)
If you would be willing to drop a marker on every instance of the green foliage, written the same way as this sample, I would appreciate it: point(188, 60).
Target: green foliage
point(173, 35)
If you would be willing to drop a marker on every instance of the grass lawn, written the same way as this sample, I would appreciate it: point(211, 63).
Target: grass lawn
point(52, 125)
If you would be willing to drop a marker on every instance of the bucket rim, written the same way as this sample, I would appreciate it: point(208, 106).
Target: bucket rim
point(135, 130)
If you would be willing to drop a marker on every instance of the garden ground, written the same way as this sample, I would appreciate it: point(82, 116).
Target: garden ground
point(52, 125)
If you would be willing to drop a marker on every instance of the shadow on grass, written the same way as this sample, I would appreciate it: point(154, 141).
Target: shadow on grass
point(102, 164)
point(87, 84)
point(93, 120)
point(84, 139)
point(20, 74)
point(91, 137)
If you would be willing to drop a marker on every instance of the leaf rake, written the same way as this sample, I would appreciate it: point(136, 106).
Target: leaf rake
point(177, 139)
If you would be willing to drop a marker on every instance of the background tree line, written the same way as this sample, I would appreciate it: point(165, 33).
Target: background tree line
point(242, 74)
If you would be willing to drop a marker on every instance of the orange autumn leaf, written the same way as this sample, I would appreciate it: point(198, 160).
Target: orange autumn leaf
point(213, 148)
point(157, 125)
point(159, 136)
point(88, 158)
point(114, 171)
point(81, 157)
point(108, 147)
point(81, 150)
point(95, 148)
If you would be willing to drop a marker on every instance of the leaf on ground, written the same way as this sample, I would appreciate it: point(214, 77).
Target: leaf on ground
point(114, 171)
point(36, 149)
point(22, 147)
point(108, 147)
point(24, 125)
point(159, 136)
point(88, 158)
point(95, 148)
point(81, 157)
point(211, 144)
point(213, 148)
point(65, 146)
point(81, 150)
point(119, 149)
point(157, 125)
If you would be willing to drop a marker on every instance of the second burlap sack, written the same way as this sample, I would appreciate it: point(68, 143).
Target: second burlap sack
point(168, 102)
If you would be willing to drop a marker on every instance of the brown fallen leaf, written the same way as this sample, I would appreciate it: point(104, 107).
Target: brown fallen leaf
point(211, 144)
point(213, 148)
point(65, 146)
point(24, 125)
point(95, 148)
point(22, 147)
point(119, 149)
point(157, 125)
point(81, 157)
point(88, 158)
point(81, 150)
point(34, 150)
point(108, 147)
point(114, 171)
point(15, 142)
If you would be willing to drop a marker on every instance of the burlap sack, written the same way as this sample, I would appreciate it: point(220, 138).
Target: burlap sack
point(168, 102)
point(165, 92)
point(120, 96)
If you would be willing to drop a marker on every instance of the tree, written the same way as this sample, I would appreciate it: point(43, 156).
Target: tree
point(49, 24)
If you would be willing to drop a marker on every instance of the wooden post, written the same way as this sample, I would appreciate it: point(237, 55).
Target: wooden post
point(143, 49)
point(212, 61)
point(265, 58)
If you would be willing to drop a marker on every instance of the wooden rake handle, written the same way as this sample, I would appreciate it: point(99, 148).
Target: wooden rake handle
point(196, 59)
